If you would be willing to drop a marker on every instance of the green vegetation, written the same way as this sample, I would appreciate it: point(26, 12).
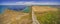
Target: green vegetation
point(50, 17)
point(27, 10)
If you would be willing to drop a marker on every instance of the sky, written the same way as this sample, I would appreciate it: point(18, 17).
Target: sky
point(29, 2)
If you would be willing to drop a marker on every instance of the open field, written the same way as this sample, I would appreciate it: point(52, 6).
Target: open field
point(47, 14)
point(31, 15)
point(14, 17)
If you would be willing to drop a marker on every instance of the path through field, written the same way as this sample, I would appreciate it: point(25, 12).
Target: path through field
point(34, 19)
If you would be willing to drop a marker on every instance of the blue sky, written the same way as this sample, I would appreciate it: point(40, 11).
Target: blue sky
point(30, 0)
point(15, 2)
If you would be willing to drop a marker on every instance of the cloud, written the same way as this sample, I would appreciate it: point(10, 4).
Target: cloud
point(31, 3)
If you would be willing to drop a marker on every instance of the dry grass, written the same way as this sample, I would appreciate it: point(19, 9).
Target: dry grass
point(46, 15)
point(14, 17)
point(43, 8)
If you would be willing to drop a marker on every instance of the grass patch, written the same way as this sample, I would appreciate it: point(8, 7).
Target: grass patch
point(50, 17)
